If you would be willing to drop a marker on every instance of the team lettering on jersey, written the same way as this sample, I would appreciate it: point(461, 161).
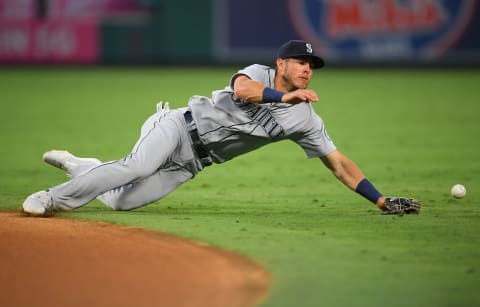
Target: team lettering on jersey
point(260, 115)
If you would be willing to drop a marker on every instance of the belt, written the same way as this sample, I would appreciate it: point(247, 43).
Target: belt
point(198, 146)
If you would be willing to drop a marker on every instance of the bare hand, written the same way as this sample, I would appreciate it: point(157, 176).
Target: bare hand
point(300, 95)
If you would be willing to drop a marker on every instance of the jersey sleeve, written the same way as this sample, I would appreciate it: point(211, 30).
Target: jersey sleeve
point(259, 73)
point(314, 138)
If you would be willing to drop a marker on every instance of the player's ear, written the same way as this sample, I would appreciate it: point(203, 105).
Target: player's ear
point(280, 64)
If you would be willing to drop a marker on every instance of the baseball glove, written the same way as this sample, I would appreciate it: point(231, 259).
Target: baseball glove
point(401, 205)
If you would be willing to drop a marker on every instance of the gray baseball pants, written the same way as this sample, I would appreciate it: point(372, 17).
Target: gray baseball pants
point(162, 159)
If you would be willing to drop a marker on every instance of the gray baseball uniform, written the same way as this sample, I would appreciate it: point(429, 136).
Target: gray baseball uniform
point(174, 146)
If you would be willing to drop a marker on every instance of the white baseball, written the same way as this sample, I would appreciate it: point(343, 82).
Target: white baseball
point(458, 191)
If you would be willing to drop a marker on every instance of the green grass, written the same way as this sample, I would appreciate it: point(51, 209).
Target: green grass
point(413, 133)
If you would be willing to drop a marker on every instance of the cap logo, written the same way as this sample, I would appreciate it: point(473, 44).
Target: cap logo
point(309, 48)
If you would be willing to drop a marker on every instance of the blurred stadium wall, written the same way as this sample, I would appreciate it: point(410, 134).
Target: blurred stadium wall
point(345, 32)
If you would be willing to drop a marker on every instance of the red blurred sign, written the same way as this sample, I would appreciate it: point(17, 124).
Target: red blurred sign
point(17, 9)
point(89, 8)
point(49, 42)
point(381, 29)
point(66, 9)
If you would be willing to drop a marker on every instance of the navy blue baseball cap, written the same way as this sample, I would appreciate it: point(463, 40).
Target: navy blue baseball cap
point(298, 49)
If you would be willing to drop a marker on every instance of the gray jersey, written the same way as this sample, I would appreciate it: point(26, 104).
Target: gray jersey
point(230, 127)
point(164, 156)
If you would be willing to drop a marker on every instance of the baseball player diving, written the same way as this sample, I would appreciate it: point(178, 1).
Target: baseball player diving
point(261, 105)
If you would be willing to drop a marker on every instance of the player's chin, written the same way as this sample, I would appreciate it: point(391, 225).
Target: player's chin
point(302, 84)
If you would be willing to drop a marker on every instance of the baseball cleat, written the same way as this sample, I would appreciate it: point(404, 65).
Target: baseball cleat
point(64, 160)
point(39, 204)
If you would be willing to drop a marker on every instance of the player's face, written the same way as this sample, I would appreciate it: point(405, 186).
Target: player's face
point(296, 73)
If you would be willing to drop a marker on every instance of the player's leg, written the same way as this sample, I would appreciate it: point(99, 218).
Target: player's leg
point(71, 164)
point(129, 196)
point(152, 188)
point(132, 195)
point(149, 190)
point(155, 150)
point(74, 165)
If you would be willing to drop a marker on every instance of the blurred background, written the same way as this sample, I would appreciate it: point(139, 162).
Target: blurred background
point(217, 32)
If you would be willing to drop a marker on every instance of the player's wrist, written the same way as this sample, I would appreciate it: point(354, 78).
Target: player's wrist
point(272, 95)
point(367, 190)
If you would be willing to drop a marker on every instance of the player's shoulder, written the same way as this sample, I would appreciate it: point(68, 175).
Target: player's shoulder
point(258, 72)
point(260, 66)
point(257, 68)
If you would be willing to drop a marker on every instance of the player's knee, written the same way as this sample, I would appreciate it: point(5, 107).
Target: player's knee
point(139, 169)
point(143, 172)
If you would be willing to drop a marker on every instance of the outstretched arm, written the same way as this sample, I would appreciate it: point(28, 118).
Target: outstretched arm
point(253, 91)
point(350, 175)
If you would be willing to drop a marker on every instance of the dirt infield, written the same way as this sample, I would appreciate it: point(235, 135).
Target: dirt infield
point(64, 262)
